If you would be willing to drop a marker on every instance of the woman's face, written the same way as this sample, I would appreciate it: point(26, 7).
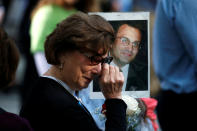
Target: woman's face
point(77, 71)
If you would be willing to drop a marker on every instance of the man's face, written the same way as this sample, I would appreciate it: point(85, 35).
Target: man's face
point(78, 71)
point(126, 44)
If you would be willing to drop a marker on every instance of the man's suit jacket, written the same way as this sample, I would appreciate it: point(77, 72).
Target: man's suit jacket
point(137, 79)
point(51, 107)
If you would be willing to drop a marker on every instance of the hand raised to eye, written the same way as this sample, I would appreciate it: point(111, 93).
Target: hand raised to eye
point(111, 81)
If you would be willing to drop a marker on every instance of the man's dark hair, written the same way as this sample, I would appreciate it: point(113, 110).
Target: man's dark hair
point(79, 32)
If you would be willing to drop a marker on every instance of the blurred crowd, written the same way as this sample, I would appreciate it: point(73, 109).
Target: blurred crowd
point(15, 18)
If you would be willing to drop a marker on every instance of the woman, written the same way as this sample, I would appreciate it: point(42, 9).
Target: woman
point(77, 50)
point(45, 16)
point(8, 64)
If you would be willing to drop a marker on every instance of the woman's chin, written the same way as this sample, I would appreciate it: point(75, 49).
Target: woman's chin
point(83, 86)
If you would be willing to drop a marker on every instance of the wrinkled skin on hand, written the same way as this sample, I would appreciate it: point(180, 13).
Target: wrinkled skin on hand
point(111, 81)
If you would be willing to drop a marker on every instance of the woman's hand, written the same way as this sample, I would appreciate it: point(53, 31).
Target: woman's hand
point(111, 81)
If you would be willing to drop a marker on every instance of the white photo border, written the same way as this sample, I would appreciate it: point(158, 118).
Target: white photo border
point(118, 16)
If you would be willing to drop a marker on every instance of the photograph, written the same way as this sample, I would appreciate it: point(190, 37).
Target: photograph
point(130, 53)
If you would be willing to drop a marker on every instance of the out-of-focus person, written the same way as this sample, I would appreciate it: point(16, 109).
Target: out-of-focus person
point(175, 63)
point(30, 72)
point(4, 9)
point(8, 64)
point(45, 16)
point(116, 5)
point(2, 12)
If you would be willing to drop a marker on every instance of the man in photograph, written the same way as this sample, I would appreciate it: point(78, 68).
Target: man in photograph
point(124, 51)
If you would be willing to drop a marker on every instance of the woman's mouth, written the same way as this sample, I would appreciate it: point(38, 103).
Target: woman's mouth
point(88, 79)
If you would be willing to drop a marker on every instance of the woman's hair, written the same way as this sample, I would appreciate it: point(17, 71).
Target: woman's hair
point(81, 5)
point(79, 32)
point(9, 58)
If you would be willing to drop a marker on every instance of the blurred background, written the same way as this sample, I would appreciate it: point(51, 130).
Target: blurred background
point(15, 19)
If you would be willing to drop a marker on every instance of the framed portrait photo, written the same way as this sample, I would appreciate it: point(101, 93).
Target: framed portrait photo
point(130, 52)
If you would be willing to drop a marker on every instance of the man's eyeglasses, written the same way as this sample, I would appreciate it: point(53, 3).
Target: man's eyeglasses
point(96, 59)
point(125, 41)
